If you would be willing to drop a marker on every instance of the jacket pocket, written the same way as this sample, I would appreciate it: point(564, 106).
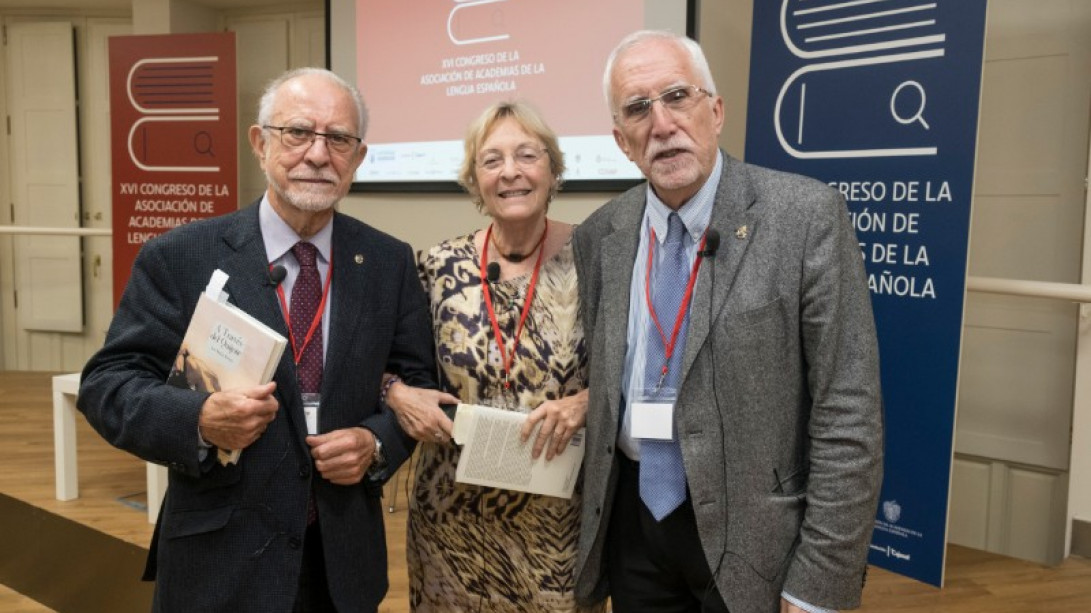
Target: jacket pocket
point(764, 532)
point(790, 482)
point(196, 521)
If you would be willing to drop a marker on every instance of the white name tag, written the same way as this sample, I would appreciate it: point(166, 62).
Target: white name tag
point(310, 412)
point(652, 420)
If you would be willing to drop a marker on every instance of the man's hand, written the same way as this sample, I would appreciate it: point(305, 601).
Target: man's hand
point(234, 419)
point(419, 413)
point(560, 420)
point(343, 456)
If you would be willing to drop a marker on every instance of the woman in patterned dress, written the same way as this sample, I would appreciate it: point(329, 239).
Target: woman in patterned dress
point(473, 548)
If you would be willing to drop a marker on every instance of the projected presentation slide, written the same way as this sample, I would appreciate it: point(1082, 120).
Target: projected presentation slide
point(429, 67)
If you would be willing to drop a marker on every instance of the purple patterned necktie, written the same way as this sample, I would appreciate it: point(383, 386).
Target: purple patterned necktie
point(662, 473)
point(306, 296)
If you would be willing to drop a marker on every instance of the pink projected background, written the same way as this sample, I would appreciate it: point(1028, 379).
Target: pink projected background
point(428, 67)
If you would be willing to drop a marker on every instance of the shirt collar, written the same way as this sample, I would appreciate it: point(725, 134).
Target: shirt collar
point(695, 212)
point(279, 237)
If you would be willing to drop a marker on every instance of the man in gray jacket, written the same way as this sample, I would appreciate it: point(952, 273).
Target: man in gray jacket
point(734, 450)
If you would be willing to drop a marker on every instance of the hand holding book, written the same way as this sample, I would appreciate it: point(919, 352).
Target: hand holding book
point(234, 419)
point(232, 355)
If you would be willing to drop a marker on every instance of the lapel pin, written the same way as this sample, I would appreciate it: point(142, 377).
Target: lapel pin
point(359, 258)
point(742, 232)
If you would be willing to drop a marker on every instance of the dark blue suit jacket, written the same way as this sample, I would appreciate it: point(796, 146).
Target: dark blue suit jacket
point(229, 538)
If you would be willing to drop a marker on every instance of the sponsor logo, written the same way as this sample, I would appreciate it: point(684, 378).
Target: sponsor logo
point(892, 511)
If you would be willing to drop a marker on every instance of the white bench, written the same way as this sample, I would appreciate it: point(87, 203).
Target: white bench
point(65, 388)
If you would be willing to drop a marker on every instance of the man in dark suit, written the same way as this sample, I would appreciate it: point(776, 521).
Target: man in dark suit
point(734, 434)
point(296, 524)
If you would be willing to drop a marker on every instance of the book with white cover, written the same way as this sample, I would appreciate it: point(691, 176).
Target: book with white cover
point(494, 456)
point(225, 348)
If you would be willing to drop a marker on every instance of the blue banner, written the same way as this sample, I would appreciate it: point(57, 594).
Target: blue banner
point(880, 99)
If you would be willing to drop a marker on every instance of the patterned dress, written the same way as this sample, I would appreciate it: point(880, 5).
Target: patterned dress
point(474, 548)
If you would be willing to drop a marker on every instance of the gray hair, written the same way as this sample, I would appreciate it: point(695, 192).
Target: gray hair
point(696, 55)
point(269, 96)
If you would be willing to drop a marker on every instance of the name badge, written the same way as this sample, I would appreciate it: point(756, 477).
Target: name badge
point(652, 420)
point(310, 412)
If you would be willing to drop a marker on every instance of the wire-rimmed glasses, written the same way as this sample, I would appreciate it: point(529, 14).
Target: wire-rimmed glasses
point(294, 137)
point(678, 99)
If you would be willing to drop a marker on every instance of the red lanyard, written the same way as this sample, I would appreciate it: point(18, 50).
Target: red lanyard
point(507, 358)
point(668, 346)
point(297, 350)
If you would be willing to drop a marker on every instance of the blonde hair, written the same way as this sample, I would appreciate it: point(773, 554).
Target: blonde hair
point(531, 121)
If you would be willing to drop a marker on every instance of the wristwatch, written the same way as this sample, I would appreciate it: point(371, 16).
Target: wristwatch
point(378, 461)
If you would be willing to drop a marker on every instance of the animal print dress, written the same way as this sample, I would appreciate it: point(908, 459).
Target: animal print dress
point(474, 548)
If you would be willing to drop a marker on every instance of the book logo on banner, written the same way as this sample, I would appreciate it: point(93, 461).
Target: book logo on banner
point(868, 122)
point(153, 88)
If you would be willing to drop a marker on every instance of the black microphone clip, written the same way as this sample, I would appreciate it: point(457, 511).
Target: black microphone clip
point(712, 243)
point(276, 275)
point(492, 272)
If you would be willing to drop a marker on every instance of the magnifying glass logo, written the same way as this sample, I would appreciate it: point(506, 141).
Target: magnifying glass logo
point(202, 143)
point(918, 115)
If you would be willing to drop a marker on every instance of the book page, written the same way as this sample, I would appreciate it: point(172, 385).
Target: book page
point(493, 456)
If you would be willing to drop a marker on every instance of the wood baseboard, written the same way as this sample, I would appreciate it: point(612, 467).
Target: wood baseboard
point(1081, 538)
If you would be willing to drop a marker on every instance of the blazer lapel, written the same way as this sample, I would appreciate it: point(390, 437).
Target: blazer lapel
point(248, 272)
point(618, 253)
point(353, 269)
point(736, 223)
point(248, 286)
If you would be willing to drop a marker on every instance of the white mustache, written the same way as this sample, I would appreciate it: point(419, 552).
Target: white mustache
point(676, 142)
point(332, 178)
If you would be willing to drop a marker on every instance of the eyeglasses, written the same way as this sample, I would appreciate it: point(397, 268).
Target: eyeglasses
point(294, 138)
point(524, 157)
point(678, 99)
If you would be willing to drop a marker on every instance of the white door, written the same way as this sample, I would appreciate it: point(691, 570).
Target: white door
point(98, 182)
point(45, 178)
point(1017, 368)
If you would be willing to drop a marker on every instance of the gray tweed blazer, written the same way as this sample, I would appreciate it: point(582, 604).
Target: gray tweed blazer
point(779, 412)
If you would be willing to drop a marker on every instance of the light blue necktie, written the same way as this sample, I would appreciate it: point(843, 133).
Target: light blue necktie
point(662, 473)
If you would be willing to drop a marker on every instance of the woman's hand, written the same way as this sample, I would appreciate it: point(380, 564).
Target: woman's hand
point(419, 413)
point(560, 420)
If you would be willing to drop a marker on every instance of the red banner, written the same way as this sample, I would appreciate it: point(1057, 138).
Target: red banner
point(173, 127)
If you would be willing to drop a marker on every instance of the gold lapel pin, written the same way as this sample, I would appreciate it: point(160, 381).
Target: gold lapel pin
point(359, 258)
point(742, 232)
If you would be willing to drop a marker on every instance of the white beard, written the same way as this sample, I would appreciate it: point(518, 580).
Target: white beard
point(302, 198)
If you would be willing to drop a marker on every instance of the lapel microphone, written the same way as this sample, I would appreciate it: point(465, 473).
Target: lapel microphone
point(712, 243)
point(276, 275)
point(492, 272)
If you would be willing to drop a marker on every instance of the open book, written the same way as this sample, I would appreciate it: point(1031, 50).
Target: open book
point(493, 456)
point(224, 348)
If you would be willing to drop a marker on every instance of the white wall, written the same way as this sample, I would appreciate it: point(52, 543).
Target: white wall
point(1079, 489)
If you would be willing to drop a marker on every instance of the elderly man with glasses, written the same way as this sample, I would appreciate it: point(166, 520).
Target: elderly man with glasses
point(296, 523)
point(734, 431)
